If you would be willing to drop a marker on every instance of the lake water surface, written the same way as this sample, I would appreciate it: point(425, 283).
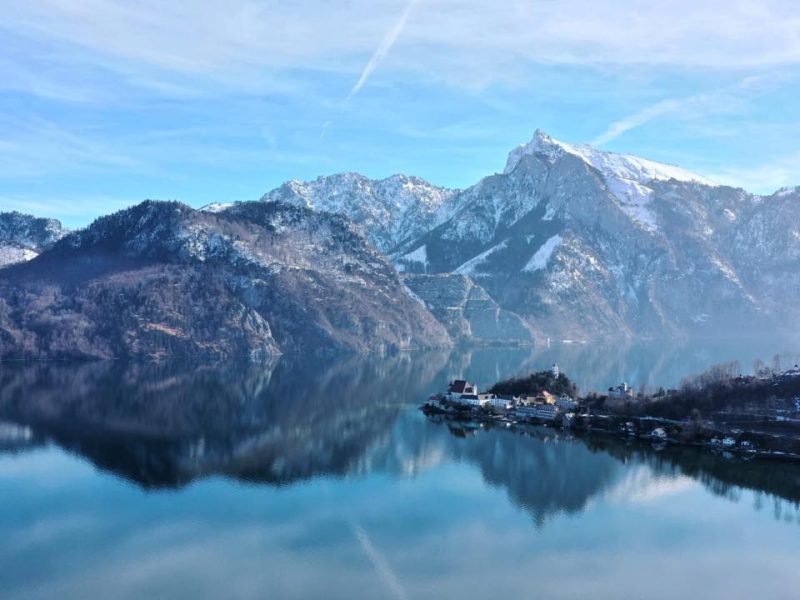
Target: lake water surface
point(323, 480)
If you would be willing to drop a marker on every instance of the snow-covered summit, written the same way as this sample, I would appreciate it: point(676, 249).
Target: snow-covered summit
point(627, 177)
point(610, 164)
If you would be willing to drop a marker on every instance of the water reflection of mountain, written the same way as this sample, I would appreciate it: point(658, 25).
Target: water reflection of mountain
point(164, 425)
point(547, 472)
point(541, 471)
point(722, 476)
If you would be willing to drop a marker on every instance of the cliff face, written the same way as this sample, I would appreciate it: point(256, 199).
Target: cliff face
point(256, 279)
point(467, 310)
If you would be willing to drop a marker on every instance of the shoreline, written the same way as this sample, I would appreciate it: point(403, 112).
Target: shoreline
point(597, 424)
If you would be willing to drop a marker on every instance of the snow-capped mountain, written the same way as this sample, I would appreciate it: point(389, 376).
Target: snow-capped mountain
point(23, 237)
point(568, 242)
point(389, 211)
point(627, 177)
point(582, 242)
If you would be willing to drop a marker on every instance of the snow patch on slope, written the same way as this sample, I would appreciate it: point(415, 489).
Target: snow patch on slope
point(468, 268)
point(786, 191)
point(419, 256)
point(542, 256)
point(216, 207)
point(15, 253)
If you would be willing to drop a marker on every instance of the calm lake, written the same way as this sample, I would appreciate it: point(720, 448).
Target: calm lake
point(323, 480)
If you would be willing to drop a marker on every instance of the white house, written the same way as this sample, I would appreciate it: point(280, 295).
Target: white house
point(555, 370)
point(658, 434)
point(459, 387)
point(728, 442)
point(622, 392)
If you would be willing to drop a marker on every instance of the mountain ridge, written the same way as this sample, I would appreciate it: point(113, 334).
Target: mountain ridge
point(567, 242)
point(162, 279)
point(581, 242)
point(390, 210)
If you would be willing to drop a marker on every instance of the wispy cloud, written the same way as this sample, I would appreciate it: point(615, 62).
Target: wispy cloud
point(715, 101)
point(112, 79)
point(383, 48)
point(34, 146)
point(69, 48)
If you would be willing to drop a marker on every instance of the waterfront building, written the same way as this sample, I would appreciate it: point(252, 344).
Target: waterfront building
point(658, 434)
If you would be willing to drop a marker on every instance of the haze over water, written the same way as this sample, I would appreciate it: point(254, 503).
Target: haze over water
point(297, 481)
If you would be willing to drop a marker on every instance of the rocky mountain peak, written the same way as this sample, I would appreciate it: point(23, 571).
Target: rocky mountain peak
point(583, 242)
point(389, 210)
point(628, 178)
point(611, 164)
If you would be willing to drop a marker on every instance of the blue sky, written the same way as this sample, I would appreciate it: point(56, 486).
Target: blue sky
point(104, 103)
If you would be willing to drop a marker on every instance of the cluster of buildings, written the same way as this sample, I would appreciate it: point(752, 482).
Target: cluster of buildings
point(620, 395)
point(730, 443)
point(543, 406)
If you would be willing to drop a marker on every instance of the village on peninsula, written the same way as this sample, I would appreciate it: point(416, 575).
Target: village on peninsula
point(739, 416)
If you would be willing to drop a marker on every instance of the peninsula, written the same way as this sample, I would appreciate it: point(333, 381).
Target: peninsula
point(746, 416)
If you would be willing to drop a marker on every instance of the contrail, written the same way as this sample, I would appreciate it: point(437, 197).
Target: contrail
point(617, 128)
point(383, 48)
point(385, 572)
point(325, 126)
point(710, 101)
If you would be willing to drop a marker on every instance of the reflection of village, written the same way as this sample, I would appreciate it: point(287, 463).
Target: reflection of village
point(159, 425)
point(763, 429)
